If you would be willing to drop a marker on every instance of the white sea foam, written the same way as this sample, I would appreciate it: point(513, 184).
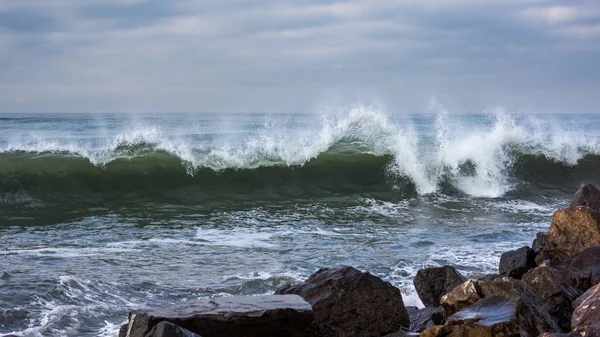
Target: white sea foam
point(486, 147)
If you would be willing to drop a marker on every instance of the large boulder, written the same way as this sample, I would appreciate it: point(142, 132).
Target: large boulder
point(587, 312)
point(432, 283)
point(276, 315)
point(587, 195)
point(471, 292)
point(572, 231)
point(516, 263)
point(556, 293)
point(347, 302)
point(421, 319)
point(489, 317)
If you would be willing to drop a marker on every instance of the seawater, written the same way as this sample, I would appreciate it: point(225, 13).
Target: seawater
point(102, 214)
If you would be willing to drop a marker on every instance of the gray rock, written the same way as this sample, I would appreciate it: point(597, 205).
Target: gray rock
point(432, 283)
point(251, 316)
point(347, 302)
point(583, 271)
point(516, 263)
point(421, 319)
point(166, 329)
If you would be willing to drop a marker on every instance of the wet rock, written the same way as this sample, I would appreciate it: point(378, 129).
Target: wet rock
point(421, 319)
point(123, 330)
point(461, 297)
point(588, 331)
point(556, 294)
point(5, 276)
point(587, 311)
point(166, 329)
point(539, 242)
point(491, 316)
point(516, 263)
point(577, 302)
point(587, 195)
point(583, 271)
point(432, 283)
point(471, 292)
point(347, 302)
point(277, 315)
point(572, 231)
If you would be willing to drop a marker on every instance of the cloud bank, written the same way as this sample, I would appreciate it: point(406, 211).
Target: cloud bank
point(256, 55)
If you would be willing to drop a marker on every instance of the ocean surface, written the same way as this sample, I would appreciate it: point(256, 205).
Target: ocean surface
point(102, 214)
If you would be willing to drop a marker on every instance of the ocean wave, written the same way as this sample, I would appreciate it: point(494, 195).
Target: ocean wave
point(360, 150)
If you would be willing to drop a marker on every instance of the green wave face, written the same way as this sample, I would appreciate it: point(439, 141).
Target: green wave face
point(340, 172)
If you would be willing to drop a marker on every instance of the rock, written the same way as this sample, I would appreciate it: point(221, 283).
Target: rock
point(347, 302)
point(491, 316)
point(588, 311)
point(583, 271)
point(587, 195)
point(421, 319)
point(556, 294)
point(166, 329)
point(471, 292)
point(577, 302)
point(516, 263)
point(276, 315)
point(461, 297)
point(539, 242)
point(432, 283)
point(588, 331)
point(123, 330)
point(572, 231)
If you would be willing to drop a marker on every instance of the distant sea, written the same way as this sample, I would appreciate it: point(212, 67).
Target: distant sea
point(102, 214)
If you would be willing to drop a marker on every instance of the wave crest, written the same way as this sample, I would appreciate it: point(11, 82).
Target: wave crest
point(482, 156)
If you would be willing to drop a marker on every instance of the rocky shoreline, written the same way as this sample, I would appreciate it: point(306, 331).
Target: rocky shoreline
point(549, 289)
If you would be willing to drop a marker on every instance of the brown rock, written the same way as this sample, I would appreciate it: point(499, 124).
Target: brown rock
point(516, 263)
point(587, 195)
point(432, 283)
point(588, 311)
point(277, 315)
point(556, 294)
point(572, 231)
point(461, 297)
point(470, 292)
point(347, 302)
point(491, 316)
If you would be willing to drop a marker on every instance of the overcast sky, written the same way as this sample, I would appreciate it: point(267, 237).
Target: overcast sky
point(258, 55)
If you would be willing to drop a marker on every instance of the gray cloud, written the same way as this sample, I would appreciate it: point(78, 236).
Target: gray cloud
point(233, 55)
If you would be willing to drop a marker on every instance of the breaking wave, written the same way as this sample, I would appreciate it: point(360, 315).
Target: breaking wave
point(360, 151)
